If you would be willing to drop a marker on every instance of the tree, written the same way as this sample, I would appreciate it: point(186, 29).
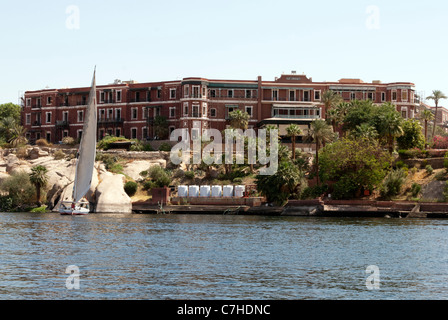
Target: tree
point(10, 110)
point(391, 127)
point(239, 119)
point(321, 133)
point(39, 178)
point(287, 181)
point(293, 131)
point(330, 99)
point(160, 127)
point(365, 131)
point(353, 164)
point(437, 95)
point(426, 116)
point(412, 135)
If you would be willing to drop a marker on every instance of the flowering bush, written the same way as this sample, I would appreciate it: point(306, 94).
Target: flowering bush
point(440, 142)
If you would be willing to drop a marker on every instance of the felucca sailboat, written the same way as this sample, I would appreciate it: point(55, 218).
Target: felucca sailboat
point(86, 160)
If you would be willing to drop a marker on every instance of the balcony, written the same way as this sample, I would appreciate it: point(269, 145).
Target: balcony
point(105, 101)
point(37, 123)
point(62, 123)
point(296, 116)
point(110, 120)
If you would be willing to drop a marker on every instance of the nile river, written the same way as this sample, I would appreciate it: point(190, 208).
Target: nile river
point(221, 257)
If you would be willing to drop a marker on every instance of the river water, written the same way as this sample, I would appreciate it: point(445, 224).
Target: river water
point(211, 257)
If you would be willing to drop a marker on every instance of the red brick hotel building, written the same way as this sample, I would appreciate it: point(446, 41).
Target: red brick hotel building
point(128, 108)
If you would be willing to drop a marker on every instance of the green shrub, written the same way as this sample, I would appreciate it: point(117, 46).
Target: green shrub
point(314, 192)
point(400, 164)
point(43, 143)
point(414, 170)
point(392, 183)
point(130, 188)
point(19, 189)
point(104, 144)
point(415, 189)
point(165, 147)
point(189, 174)
point(159, 176)
point(148, 184)
point(429, 169)
point(238, 180)
point(41, 209)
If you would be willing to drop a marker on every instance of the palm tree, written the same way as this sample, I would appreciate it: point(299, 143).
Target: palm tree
point(39, 178)
point(437, 95)
point(17, 136)
point(330, 99)
point(426, 116)
point(391, 127)
point(366, 131)
point(293, 131)
point(239, 119)
point(320, 132)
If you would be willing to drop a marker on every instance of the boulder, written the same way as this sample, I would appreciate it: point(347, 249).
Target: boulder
point(12, 162)
point(133, 169)
point(111, 197)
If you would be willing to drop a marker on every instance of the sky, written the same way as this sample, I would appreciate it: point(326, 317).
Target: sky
point(57, 44)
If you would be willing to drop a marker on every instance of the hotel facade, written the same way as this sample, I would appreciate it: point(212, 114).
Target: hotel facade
point(127, 108)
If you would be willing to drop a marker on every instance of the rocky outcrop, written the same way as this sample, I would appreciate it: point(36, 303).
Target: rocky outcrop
point(134, 168)
point(110, 195)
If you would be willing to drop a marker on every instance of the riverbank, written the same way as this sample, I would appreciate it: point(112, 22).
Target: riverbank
point(316, 208)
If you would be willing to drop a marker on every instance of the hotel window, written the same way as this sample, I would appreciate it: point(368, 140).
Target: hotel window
point(213, 112)
point(48, 117)
point(274, 94)
point(133, 133)
point(204, 109)
point(172, 112)
point(172, 129)
point(394, 95)
point(249, 110)
point(28, 102)
point(404, 112)
point(102, 96)
point(110, 113)
point(185, 109)
point(172, 93)
point(159, 93)
point(144, 113)
point(213, 93)
point(118, 95)
point(84, 100)
point(134, 113)
point(48, 100)
point(118, 114)
point(248, 94)
point(352, 95)
point(317, 95)
point(39, 104)
point(230, 93)
point(306, 95)
point(28, 118)
point(37, 135)
point(65, 133)
point(371, 96)
point(383, 96)
point(137, 96)
point(186, 91)
point(80, 116)
point(65, 116)
point(292, 95)
point(195, 92)
point(204, 91)
point(195, 133)
point(412, 97)
point(79, 134)
point(145, 133)
point(102, 114)
point(404, 95)
point(195, 111)
point(118, 132)
point(48, 136)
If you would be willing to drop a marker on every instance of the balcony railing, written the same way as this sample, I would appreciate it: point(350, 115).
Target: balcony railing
point(62, 123)
point(296, 116)
point(287, 99)
point(110, 120)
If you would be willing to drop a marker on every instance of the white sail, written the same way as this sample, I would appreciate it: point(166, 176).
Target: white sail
point(87, 148)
